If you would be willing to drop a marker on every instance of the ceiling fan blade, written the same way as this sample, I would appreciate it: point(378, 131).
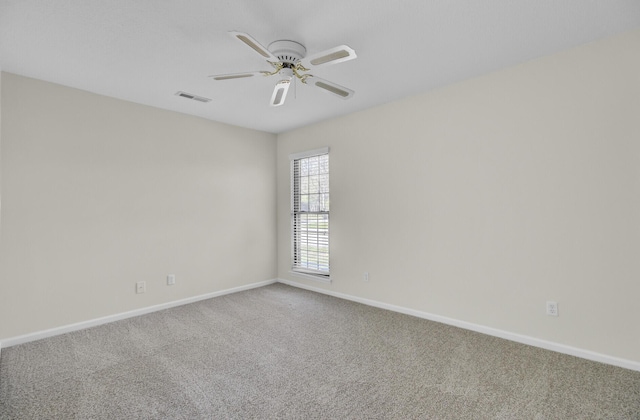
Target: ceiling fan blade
point(280, 92)
point(333, 55)
point(336, 89)
point(255, 45)
point(237, 75)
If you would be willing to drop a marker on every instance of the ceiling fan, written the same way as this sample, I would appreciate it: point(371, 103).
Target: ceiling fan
point(290, 62)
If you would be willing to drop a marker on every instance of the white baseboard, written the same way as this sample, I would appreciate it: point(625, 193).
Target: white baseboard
point(8, 342)
point(532, 341)
point(524, 339)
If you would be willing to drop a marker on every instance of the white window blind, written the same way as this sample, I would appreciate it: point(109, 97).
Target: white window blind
point(310, 212)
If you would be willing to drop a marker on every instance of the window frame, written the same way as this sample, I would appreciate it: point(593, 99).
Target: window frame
point(301, 271)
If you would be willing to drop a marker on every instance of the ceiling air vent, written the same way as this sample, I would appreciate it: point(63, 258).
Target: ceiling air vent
point(194, 97)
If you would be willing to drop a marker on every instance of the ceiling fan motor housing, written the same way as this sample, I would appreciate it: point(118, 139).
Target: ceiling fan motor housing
point(288, 52)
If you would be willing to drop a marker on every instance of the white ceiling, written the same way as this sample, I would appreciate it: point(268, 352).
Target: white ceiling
point(146, 50)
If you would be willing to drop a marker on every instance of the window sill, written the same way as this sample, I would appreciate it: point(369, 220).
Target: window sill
point(321, 279)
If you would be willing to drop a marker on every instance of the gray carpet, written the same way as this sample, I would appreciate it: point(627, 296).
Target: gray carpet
point(281, 352)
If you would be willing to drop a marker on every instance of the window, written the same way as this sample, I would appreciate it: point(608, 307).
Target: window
point(310, 212)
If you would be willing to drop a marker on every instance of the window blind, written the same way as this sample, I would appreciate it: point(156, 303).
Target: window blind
point(310, 213)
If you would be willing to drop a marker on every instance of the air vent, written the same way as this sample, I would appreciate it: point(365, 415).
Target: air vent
point(191, 96)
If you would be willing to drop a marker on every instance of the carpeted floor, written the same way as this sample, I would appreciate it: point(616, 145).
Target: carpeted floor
point(282, 352)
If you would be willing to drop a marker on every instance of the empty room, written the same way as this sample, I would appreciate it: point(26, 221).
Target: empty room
point(319, 210)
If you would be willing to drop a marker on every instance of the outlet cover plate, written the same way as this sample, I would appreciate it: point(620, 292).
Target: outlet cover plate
point(141, 287)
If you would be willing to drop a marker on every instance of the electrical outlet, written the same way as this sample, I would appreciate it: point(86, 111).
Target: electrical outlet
point(552, 308)
point(141, 287)
point(171, 279)
point(366, 276)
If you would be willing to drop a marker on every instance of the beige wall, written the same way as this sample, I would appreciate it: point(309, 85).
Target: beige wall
point(479, 202)
point(100, 193)
point(0, 163)
point(482, 200)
